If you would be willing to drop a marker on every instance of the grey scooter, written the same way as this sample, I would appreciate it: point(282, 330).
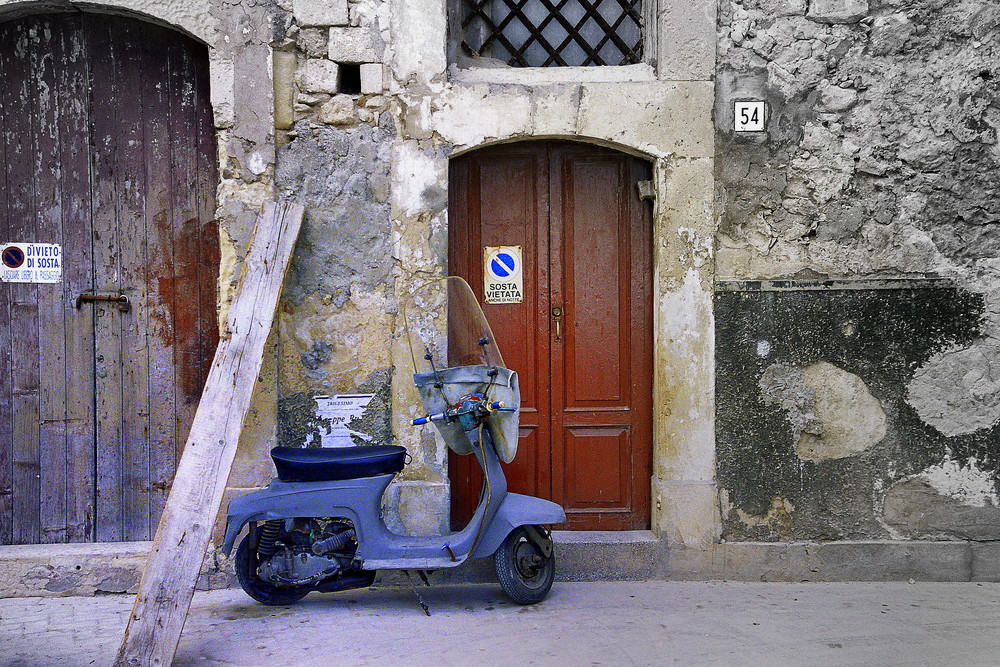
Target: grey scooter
point(319, 526)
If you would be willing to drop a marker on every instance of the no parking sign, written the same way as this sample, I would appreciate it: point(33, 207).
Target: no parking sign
point(502, 276)
point(30, 263)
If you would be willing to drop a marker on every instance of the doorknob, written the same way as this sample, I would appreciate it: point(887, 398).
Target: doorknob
point(124, 305)
point(557, 315)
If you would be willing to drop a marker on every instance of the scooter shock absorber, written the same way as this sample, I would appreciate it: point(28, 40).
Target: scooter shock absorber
point(268, 534)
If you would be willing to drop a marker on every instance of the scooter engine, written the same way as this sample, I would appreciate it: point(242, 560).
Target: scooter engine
point(313, 551)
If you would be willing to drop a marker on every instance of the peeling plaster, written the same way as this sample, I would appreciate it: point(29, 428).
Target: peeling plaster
point(966, 483)
point(832, 412)
point(958, 391)
point(949, 501)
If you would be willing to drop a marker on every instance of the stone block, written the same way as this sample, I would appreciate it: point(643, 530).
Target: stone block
point(319, 76)
point(284, 89)
point(686, 512)
point(687, 40)
point(339, 110)
point(372, 79)
point(314, 42)
point(417, 508)
point(353, 45)
point(985, 561)
point(676, 117)
point(630, 555)
point(891, 561)
point(783, 7)
point(71, 569)
point(837, 11)
point(320, 12)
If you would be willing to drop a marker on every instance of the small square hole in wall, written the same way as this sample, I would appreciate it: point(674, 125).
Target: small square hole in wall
point(350, 78)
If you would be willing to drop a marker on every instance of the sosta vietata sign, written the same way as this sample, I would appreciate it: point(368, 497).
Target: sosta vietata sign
point(504, 281)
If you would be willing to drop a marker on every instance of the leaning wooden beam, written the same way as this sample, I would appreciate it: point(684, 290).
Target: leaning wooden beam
point(169, 579)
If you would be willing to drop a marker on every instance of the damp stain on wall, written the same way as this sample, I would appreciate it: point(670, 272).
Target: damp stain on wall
point(815, 413)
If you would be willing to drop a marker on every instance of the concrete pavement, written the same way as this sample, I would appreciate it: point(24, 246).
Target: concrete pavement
point(594, 623)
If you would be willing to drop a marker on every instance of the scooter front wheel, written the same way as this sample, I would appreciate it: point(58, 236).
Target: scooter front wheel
point(525, 571)
point(246, 564)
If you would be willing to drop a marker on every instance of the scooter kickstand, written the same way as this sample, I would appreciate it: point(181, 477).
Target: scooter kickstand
point(423, 605)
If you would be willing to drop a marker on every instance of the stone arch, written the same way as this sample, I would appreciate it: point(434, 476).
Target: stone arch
point(193, 18)
point(628, 149)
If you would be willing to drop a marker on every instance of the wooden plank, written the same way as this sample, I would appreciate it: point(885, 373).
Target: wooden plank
point(78, 277)
point(7, 211)
point(171, 573)
point(24, 297)
point(133, 262)
point(107, 177)
point(48, 63)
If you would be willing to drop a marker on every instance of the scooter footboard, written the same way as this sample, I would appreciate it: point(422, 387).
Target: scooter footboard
point(516, 510)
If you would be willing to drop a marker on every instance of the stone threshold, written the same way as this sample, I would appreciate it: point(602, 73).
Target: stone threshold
point(876, 560)
point(95, 569)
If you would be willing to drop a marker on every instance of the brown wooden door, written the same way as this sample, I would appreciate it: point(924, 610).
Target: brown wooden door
point(107, 149)
point(586, 238)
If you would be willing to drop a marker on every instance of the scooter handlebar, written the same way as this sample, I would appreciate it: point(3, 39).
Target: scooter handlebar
point(496, 406)
point(420, 421)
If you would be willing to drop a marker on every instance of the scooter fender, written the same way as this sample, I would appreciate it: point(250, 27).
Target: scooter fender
point(282, 500)
point(516, 510)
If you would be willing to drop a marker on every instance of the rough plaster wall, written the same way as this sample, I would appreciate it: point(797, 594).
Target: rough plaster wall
point(879, 160)
point(337, 310)
point(339, 146)
point(881, 149)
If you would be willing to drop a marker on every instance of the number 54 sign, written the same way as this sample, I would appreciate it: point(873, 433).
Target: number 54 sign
point(748, 116)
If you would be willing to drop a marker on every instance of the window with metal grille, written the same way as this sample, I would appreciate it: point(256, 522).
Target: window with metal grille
point(546, 33)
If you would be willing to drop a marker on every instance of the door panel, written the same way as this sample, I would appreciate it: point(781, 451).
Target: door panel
point(586, 245)
point(508, 199)
point(108, 150)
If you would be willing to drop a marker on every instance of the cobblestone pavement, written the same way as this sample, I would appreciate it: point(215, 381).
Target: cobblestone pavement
point(615, 623)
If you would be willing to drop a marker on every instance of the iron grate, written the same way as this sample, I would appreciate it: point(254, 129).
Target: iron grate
point(546, 33)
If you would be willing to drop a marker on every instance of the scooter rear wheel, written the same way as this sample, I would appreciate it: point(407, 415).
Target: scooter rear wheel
point(525, 572)
point(246, 564)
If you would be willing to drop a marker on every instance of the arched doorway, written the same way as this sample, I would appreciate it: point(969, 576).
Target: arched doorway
point(108, 153)
point(581, 338)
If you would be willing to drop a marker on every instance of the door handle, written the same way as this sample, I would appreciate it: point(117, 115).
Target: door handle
point(557, 315)
point(124, 305)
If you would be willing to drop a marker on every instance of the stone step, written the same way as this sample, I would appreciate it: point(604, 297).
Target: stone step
point(93, 569)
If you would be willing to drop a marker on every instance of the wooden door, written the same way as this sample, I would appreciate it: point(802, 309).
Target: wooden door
point(586, 379)
point(107, 149)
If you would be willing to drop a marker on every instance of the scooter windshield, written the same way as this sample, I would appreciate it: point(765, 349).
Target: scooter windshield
point(444, 320)
point(455, 356)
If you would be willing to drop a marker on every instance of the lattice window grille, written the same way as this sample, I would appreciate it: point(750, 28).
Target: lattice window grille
point(545, 33)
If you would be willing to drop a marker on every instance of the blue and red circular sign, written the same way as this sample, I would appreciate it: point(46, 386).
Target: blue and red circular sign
point(503, 264)
point(12, 257)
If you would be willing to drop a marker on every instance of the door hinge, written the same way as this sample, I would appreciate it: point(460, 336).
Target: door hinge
point(646, 190)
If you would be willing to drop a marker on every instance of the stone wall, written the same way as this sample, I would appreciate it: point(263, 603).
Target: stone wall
point(878, 164)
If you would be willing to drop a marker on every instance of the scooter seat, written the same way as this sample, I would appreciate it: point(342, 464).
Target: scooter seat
point(328, 464)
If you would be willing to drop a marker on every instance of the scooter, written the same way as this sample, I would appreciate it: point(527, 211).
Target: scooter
point(318, 526)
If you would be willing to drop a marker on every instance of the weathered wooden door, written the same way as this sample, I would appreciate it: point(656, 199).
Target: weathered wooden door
point(107, 150)
point(581, 340)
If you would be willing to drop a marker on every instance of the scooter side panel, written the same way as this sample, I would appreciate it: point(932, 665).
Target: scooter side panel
point(516, 510)
point(282, 500)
